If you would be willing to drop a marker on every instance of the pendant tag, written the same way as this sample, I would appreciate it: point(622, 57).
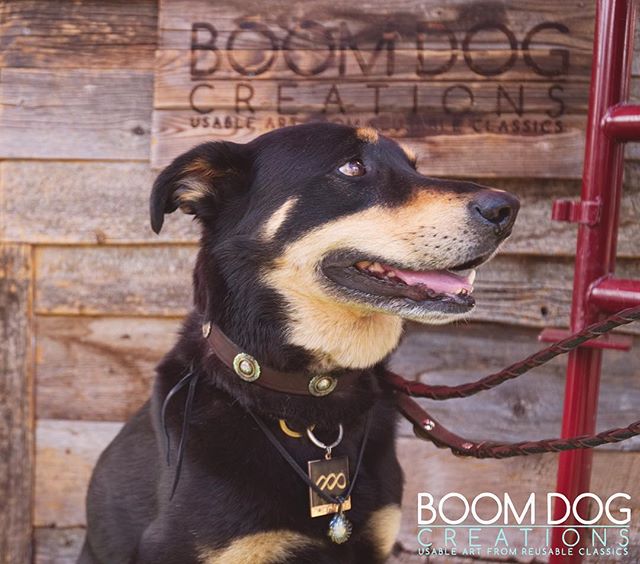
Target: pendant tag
point(332, 477)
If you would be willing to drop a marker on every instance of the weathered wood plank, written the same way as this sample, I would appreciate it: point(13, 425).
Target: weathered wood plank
point(527, 408)
point(370, 19)
point(375, 66)
point(483, 151)
point(66, 453)
point(82, 202)
point(16, 404)
point(102, 369)
point(57, 546)
point(125, 280)
point(98, 368)
point(536, 233)
point(87, 34)
point(430, 100)
point(183, 68)
point(98, 202)
point(437, 75)
point(156, 281)
point(70, 449)
point(75, 114)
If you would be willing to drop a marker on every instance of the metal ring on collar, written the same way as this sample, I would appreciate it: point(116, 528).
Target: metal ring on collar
point(320, 444)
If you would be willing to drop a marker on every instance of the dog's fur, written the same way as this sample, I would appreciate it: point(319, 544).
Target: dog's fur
point(274, 213)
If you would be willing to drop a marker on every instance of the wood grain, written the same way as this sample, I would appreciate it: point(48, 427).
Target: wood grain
point(258, 53)
point(69, 449)
point(83, 202)
point(535, 233)
point(57, 546)
point(173, 66)
point(103, 203)
point(87, 34)
point(309, 96)
point(75, 114)
point(102, 369)
point(483, 154)
point(369, 18)
point(66, 452)
point(98, 368)
point(129, 280)
point(16, 404)
point(122, 280)
point(527, 408)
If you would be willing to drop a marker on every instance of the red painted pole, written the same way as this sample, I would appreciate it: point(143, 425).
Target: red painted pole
point(596, 248)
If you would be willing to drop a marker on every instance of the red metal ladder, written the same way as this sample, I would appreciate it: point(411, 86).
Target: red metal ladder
point(596, 291)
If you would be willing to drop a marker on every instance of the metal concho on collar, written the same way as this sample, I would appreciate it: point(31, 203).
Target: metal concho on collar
point(246, 367)
point(322, 385)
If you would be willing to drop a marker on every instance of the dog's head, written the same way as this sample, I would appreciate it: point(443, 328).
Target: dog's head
point(331, 233)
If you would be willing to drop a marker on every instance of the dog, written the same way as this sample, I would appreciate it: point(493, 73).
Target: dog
point(318, 242)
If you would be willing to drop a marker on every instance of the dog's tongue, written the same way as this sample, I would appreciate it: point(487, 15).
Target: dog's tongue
point(441, 281)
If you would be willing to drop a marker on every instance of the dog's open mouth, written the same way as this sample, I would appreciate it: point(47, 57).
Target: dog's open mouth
point(447, 291)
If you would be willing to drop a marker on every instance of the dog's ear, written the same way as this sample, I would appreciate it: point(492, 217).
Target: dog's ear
point(197, 180)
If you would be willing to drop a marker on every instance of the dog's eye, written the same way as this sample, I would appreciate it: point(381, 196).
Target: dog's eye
point(353, 168)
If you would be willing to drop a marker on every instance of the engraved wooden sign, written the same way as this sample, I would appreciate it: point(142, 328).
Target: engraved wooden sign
point(495, 88)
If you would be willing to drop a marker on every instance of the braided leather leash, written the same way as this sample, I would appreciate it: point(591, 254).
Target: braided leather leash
point(427, 428)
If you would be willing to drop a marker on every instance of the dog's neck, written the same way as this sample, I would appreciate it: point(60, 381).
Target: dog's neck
point(341, 406)
point(341, 337)
point(326, 339)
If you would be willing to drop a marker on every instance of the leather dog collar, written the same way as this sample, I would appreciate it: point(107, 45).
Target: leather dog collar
point(249, 370)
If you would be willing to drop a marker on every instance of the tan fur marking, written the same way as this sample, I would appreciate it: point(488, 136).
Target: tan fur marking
point(353, 335)
point(367, 134)
point(382, 529)
point(409, 152)
point(260, 548)
point(278, 218)
point(192, 189)
point(200, 167)
point(196, 181)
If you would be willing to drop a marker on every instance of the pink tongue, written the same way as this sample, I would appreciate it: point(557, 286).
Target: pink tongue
point(439, 281)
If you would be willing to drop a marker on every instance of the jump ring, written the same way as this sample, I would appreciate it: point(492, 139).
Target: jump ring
point(320, 444)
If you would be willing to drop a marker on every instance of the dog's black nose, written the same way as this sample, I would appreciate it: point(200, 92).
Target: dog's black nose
point(499, 209)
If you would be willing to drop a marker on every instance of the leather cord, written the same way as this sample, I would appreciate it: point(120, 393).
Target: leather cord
point(427, 428)
point(302, 474)
point(192, 380)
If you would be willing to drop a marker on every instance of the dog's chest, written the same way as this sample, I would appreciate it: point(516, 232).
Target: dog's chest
point(254, 508)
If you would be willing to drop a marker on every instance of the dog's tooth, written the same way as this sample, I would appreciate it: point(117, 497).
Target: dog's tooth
point(363, 264)
point(471, 277)
point(376, 267)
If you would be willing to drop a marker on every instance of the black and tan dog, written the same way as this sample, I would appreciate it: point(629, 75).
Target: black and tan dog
point(317, 242)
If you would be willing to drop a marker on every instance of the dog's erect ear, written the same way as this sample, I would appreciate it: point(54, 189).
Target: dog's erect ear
point(197, 180)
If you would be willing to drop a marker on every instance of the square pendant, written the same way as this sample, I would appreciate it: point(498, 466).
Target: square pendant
point(332, 477)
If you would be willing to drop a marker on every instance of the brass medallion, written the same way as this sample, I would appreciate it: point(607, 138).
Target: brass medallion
point(331, 476)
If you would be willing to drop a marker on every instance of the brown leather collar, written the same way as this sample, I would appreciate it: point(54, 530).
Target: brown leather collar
point(248, 369)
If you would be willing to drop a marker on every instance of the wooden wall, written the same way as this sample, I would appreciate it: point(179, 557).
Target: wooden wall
point(91, 299)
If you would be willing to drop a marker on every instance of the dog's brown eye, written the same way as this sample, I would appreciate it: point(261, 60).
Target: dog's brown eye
point(353, 168)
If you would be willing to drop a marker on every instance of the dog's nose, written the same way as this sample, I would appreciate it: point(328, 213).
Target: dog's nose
point(496, 208)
